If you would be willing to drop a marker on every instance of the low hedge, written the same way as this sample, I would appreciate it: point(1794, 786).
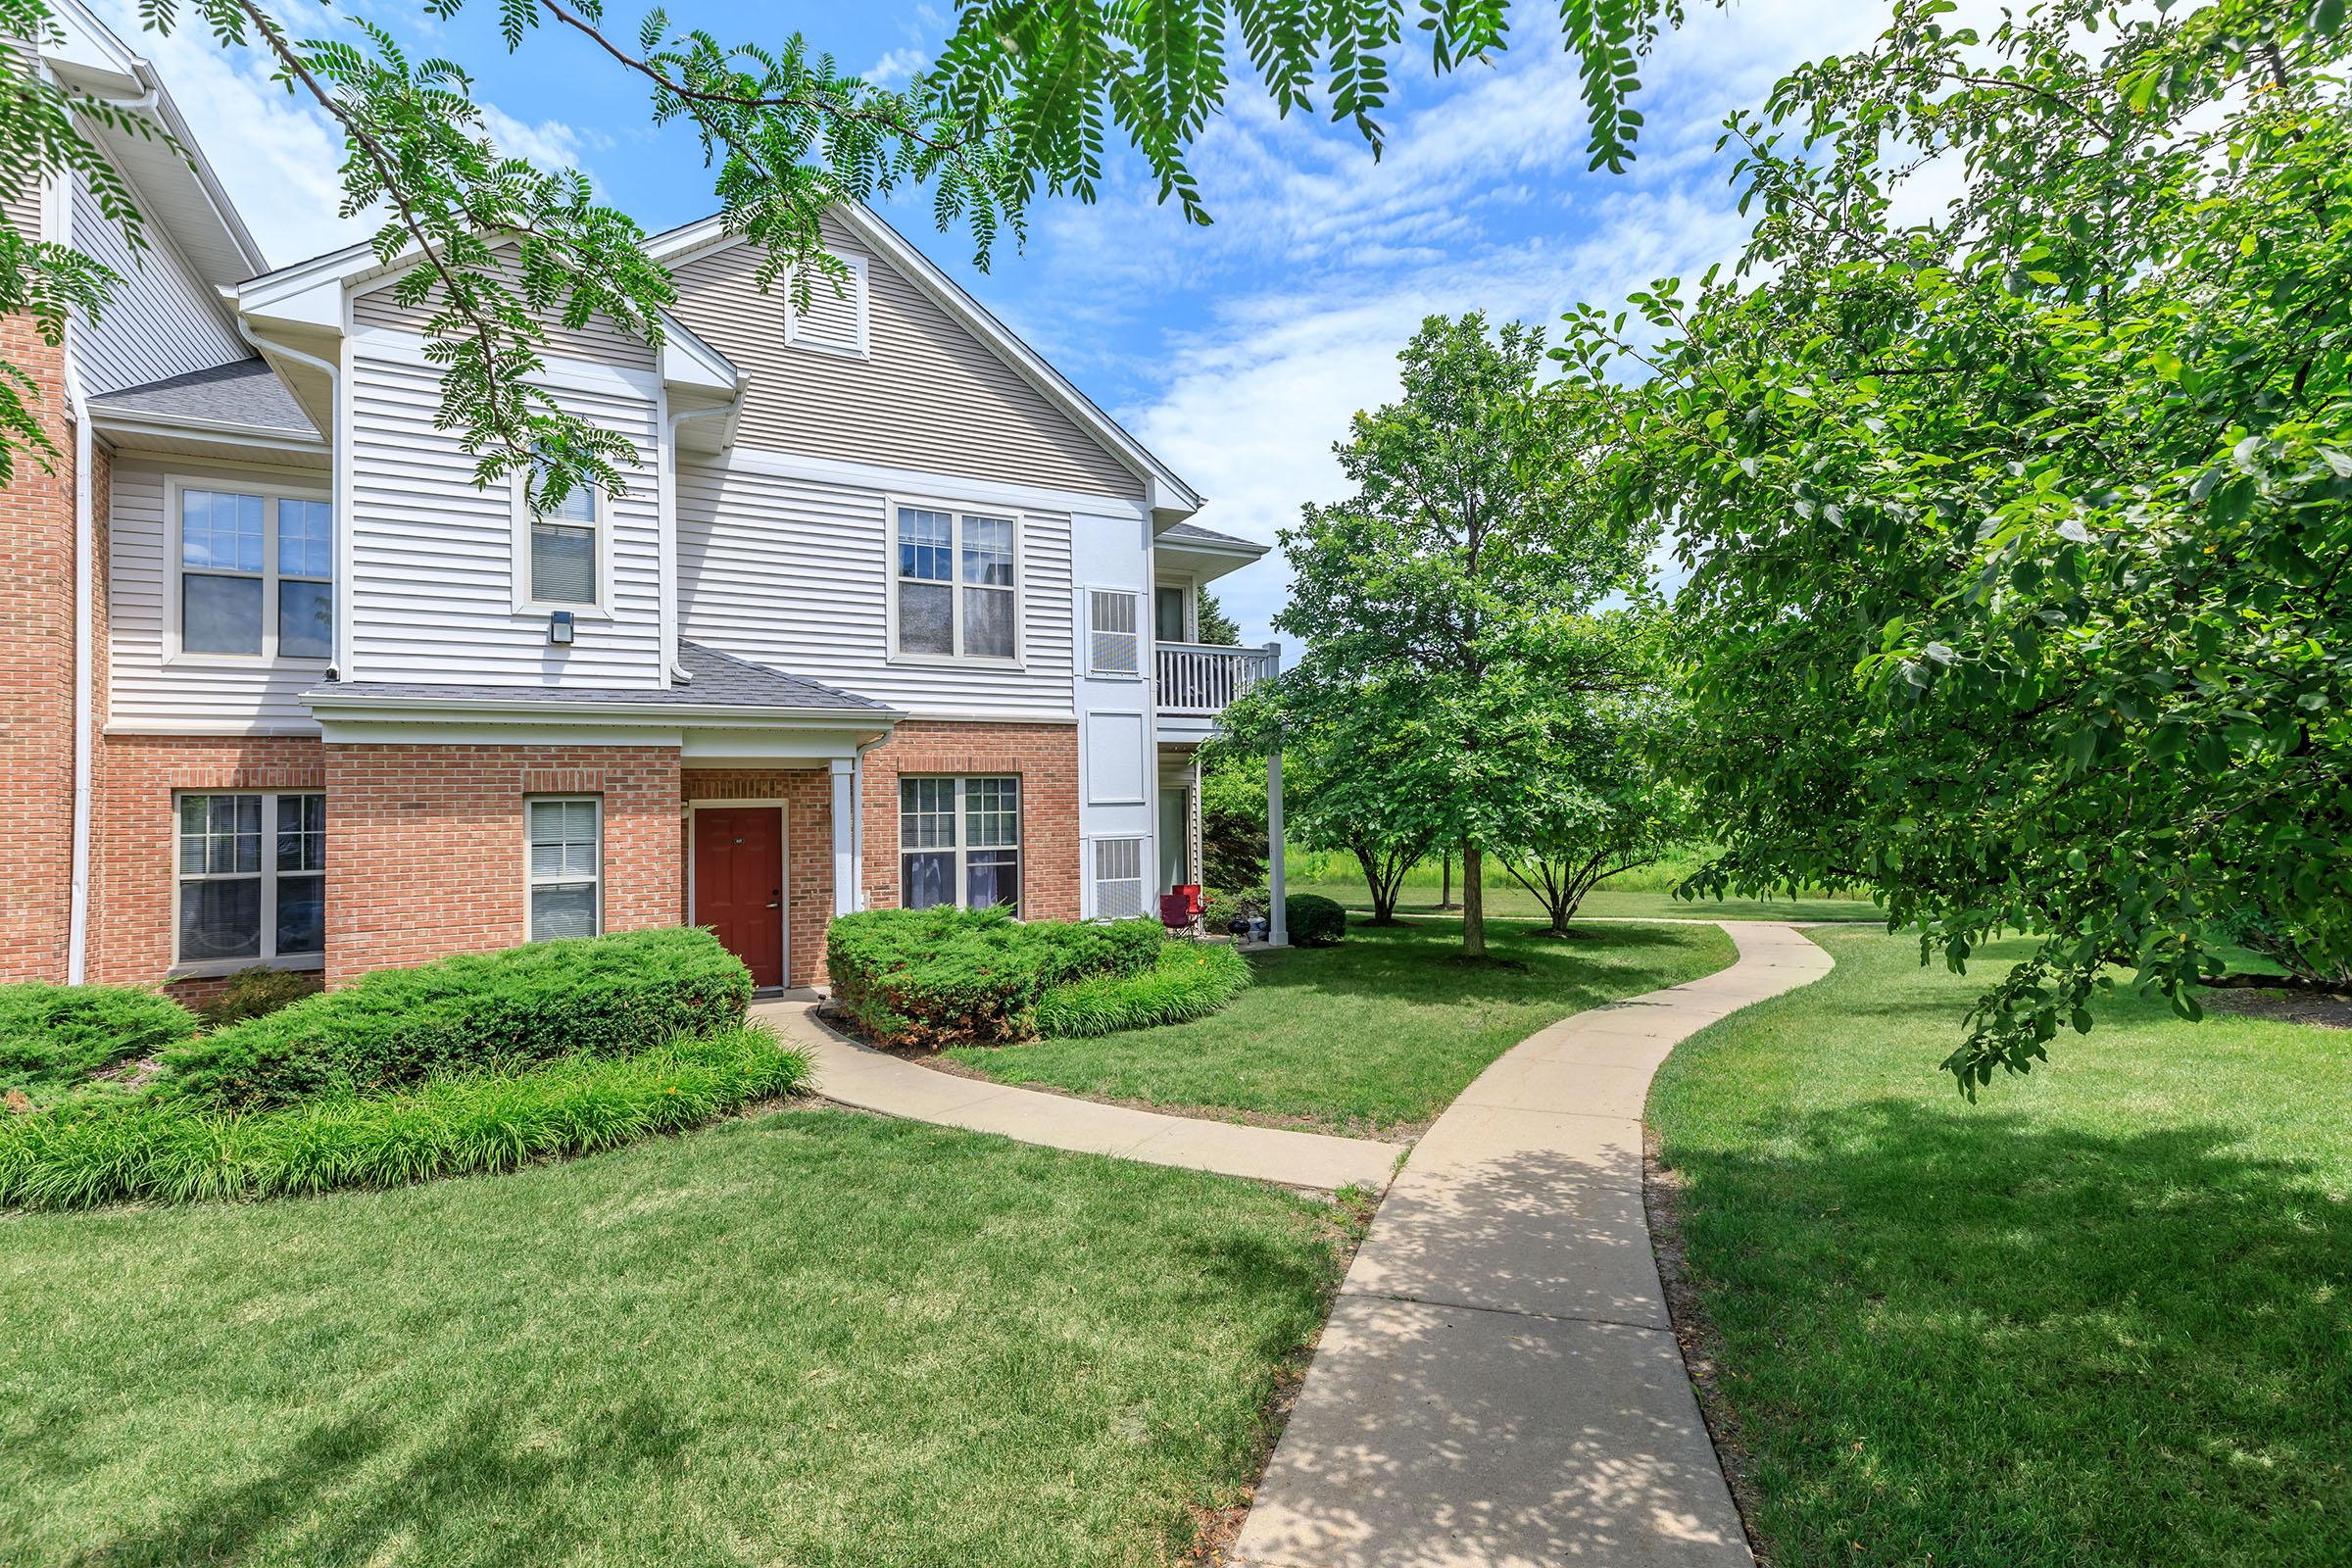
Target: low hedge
point(172, 1151)
point(54, 1037)
point(928, 978)
point(1189, 980)
point(1313, 921)
point(589, 996)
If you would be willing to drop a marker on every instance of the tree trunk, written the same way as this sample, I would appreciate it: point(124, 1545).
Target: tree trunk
point(1445, 883)
point(1383, 893)
point(1474, 903)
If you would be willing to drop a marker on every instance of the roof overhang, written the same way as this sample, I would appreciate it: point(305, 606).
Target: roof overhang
point(1206, 560)
point(177, 433)
point(375, 707)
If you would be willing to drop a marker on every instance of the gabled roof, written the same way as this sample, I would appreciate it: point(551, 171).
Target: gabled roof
point(721, 683)
point(245, 393)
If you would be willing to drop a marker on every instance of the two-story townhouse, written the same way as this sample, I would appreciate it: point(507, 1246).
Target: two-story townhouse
point(890, 614)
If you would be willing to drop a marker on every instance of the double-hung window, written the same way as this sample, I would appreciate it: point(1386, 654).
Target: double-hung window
point(565, 878)
point(252, 879)
point(959, 843)
point(561, 547)
point(256, 573)
point(956, 589)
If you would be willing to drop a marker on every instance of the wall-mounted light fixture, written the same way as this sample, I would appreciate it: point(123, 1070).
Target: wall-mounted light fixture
point(559, 627)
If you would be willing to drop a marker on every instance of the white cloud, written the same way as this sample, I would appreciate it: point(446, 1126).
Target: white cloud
point(550, 144)
point(897, 68)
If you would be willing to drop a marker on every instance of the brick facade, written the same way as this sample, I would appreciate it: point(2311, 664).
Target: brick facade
point(425, 852)
point(1044, 755)
point(36, 679)
point(806, 795)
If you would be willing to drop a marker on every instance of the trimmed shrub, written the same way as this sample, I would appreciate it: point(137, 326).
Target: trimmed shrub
point(174, 1151)
point(937, 977)
point(1190, 980)
point(54, 1037)
point(1313, 921)
point(603, 995)
point(257, 994)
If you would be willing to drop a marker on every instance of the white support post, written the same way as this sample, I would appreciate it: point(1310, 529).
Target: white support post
point(1278, 930)
point(845, 835)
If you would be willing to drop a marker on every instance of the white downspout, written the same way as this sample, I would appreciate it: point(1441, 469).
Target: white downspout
point(1278, 929)
point(85, 685)
point(666, 515)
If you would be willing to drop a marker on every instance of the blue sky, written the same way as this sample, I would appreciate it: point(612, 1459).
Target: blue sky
point(1236, 352)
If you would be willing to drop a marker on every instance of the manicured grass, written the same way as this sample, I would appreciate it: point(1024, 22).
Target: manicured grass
point(813, 1339)
point(1508, 898)
point(2103, 1316)
point(1372, 1037)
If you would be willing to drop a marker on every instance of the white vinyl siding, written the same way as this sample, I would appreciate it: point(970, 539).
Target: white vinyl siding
point(928, 395)
point(162, 320)
point(600, 342)
point(437, 591)
point(800, 574)
point(144, 689)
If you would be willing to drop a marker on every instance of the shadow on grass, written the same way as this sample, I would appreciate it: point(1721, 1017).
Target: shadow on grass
point(509, 1495)
point(1413, 962)
point(1963, 1332)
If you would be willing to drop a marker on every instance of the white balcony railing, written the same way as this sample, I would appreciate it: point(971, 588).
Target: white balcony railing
point(1202, 679)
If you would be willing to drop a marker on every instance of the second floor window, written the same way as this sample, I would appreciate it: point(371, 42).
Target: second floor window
point(955, 585)
point(562, 545)
point(256, 574)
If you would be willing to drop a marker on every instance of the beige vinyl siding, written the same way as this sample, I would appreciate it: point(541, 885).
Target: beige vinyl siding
point(795, 574)
point(162, 321)
point(143, 689)
point(23, 210)
point(600, 342)
point(928, 395)
point(433, 558)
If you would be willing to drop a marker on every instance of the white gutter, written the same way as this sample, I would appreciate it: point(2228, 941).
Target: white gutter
point(334, 477)
point(666, 511)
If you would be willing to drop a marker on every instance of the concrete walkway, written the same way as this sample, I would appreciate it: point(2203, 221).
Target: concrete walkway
point(1500, 1386)
point(853, 1074)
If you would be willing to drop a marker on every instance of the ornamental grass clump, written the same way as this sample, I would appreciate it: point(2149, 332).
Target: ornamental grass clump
point(1189, 980)
point(604, 996)
point(927, 978)
point(175, 1151)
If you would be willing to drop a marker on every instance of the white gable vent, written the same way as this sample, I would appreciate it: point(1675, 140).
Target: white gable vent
point(1112, 642)
point(1118, 878)
point(834, 320)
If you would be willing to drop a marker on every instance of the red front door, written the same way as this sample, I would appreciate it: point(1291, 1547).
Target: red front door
point(738, 885)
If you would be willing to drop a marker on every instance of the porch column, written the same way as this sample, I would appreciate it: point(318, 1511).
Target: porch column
point(1278, 931)
point(845, 835)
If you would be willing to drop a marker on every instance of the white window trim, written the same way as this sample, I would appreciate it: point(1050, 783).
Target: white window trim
point(1144, 629)
point(271, 491)
point(959, 511)
point(694, 828)
point(268, 957)
point(854, 288)
point(532, 880)
point(519, 577)
point(1019, 844)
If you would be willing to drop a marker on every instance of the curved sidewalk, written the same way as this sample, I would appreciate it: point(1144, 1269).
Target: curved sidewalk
point(1499, 1385)
point(856, 1075)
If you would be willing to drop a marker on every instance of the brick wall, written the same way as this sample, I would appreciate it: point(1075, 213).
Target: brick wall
point(806, 794)
point(132, 831)
point(1044, 755)
point(425, 845)
point(36, 679)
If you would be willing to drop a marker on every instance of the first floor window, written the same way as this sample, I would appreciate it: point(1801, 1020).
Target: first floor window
point(252, 877)
point(566, 867)
point(959, 843)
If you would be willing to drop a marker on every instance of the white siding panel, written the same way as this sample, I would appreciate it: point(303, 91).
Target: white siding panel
point(144, 690)
point(434, 557)
point(600, 341)
point(928, 395)
point(162, 321)
point(794, 574)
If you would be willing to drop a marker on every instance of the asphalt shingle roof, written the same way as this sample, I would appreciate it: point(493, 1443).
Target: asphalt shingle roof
point(1192, 533)
point(244, 392)
point(720, 680)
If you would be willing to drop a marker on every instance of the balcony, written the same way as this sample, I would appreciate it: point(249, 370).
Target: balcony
point(1198, 682)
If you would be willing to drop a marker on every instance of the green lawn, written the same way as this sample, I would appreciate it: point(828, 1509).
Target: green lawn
point(1373, 1037)
point(1507, 897)
point(807, 1339)
point(2103, 1316)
